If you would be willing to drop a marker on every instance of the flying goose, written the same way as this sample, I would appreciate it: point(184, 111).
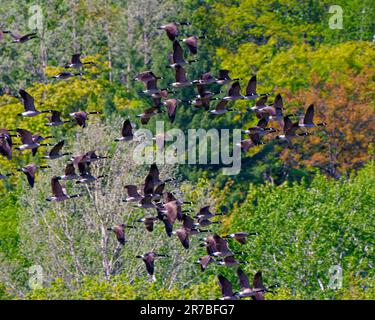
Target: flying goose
point(149, 260)
point(290, 129)
point(205, 222)
point(205, 212)
point(217, 246)
point(234, 92)
point(226, 289)
point(224, 78)
point(240, 237)
point(256, 291)
point(204, 262)
point(230, 261)
point(30, 170)
point(55, 119)
point(119, 230)
point(254, 140)
point(29, 105)
point(251, 89)
point(66, 75)
point(81, 117)
point(274, 112)
point(30, 141)
point(146, 76)
point(172, 29)
point(55, 151)
point(177, 57)
point(308, 119)
point(192, 43)
point(181, 80)
point(85, 175)
point(261, 128)
point(221, 108)
point(149, 222)
point(76, 62)
point(22, 38)
point(59, 192)
point(188, 228)
point(171, 105)
point(69, 173)
point(260, 105)
point(5, 148)
point(133, 194)
point(148, 114)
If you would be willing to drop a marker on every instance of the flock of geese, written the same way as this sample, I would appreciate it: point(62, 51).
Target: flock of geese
point(152, 194)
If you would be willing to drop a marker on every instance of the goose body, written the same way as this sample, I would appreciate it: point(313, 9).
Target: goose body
point(59, 192)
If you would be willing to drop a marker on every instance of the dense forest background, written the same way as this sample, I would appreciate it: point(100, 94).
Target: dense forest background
point(313, 203)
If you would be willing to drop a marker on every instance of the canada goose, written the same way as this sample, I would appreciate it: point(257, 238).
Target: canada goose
point(4, 134)
point(308, 119)
point(76, 62)
point(181, 80)
point(119, 230)
point(37, 138)
point(204, 262)
point(81, 117)
point(149, 259)
point(256, 291)
point(274, 112)
point(205, 212)
point(29, 105)
point(192, 43)
point(221, 108)
point(133, 194)
point(171, 105)
point(146, 202)
point(254, 140)
point(217, 246)
point(148, 114)
point(149, 222)
point(224, 78)
point(146, 76)
point(29, 141)
point(203, 98)
point(172, 29)
point(59, 192)
point(85, 175)
point(251, 89)
point(226, 289)
point(66, 75)
point(177, 57)
point(22, 38)
point(30, 171)
point(234, 92)
point(5, 148)
point(55, 151)
point(69, 173)
point(261, 128)
point(92, 156)
point(260, 104)
point(188, 228)
point(205, 222)
point(290, 129)
point(151, 87)
point(240, 237)
point(55, 119)
point(205, 78)
point(168, 219)
point(230, 261)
